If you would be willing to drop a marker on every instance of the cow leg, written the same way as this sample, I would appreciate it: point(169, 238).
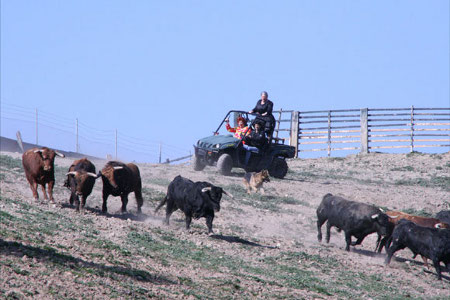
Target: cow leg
point(72, 198)
point(83, 203)
point(77, 202)
point(391, 250)
point(188, 221)
point(327, 238)
point(437, 266)
point(382, 243)
point(377, 246)
point(139, 200)
point(425, 262)
point(170, 208)
point(104, 206)
point(209, 221)
point(348, 240)
point(319, 228)
point(34, 187)
point(358, 241)
point(50, 191)
point(44, 192)
point(124, 198)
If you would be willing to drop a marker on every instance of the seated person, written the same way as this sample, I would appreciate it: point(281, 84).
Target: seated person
point(255, 141)
point(239, 131)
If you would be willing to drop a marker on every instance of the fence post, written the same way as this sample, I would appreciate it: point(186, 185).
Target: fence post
point(293, 139)
point(412, 128)
point(364, 131)
point(329, 133)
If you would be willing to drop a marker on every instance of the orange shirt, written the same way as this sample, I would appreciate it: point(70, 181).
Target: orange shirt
point(239, 132)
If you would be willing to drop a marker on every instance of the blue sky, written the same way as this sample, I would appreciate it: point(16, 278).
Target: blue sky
point(167, 71)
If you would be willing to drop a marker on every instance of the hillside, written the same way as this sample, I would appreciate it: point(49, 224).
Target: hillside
point(264, 246)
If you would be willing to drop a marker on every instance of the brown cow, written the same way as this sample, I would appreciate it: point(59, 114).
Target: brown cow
point(80, 180)
point(396, 216)
point(120, 179)
point(39, 164)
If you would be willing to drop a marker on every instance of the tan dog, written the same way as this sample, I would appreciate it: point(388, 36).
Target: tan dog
point(254, 181)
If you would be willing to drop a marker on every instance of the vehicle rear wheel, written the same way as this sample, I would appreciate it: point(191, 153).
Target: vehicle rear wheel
point(225, 164)
point(278, 168)
point(197, 163)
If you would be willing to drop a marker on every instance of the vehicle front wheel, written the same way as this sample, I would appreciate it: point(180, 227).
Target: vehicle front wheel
point(197, 163)
point(278, 168)
point(225, 164)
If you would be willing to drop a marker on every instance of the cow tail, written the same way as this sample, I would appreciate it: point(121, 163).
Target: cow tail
point(161, 204)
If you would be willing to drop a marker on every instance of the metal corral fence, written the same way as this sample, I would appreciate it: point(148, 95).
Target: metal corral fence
point(364, 130)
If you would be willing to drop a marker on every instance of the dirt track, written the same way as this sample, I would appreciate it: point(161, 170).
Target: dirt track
point(263, 246)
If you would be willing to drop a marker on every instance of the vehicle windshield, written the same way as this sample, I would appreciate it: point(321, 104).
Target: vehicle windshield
point(232, 116)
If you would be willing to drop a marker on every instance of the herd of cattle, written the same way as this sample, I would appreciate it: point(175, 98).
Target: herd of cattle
point(429, 237)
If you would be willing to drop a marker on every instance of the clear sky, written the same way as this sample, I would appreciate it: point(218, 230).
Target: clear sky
point(168, 71)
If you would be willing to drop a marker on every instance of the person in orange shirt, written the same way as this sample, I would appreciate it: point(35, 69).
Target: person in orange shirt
point(240, 131)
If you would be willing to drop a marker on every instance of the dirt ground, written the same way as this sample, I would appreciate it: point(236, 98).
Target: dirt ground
point(263, 246)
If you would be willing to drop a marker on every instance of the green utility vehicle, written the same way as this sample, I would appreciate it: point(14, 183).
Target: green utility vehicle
point(225, 151)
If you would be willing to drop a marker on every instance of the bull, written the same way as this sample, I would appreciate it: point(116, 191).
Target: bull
point(195, 199)
point(39, 167)
point(396, 216)
point(120, 179)
point(444, 216)
point(80, 180)
point(432, 243)
point(355, 218)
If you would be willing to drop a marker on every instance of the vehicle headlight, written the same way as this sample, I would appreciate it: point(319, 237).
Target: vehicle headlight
point(217, 146)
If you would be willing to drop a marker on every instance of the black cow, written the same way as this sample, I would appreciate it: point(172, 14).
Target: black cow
point(195, 199)
point(355, 218)
point(444, 216)
point(432, 243)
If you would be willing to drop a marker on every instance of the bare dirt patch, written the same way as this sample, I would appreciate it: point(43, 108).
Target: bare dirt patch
point(263, 246)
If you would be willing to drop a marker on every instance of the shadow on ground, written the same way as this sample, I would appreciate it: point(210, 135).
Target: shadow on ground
point(122, 216)
point(236, 239)
point(11, 248)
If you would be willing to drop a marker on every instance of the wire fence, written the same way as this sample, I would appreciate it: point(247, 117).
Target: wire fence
point(72, 134)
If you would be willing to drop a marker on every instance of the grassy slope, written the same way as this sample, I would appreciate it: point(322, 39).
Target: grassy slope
point(74, 257)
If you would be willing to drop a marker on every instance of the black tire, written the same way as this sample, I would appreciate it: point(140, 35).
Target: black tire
point(278, 168)
point(197, 164)
point(225, 164)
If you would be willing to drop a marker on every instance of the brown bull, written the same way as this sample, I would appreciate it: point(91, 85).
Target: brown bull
point(39, 167)
point(120, 179)
point(396, 216)
point(80, 180)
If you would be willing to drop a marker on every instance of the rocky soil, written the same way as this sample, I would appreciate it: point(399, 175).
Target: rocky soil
point(264, 246)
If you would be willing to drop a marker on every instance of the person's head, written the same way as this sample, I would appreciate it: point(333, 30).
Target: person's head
point(264, 95)
point(241, 122)
point(258, 126)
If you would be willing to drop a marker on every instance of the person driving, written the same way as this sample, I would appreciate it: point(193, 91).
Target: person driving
point(254, 141)
point(239, 131)
point(264, 109)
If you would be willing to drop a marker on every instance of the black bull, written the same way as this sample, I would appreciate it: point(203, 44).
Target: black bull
point(355, 218)
point(195, 199)
point(431, 243)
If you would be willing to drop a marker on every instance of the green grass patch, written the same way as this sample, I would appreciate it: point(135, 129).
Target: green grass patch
point(407, 168)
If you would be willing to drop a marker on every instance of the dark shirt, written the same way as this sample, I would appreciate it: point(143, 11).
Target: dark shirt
point(263, 108)
point(256, 139)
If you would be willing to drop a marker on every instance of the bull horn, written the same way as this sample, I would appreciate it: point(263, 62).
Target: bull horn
point(382, 210)
point(393, 217)
point(72, 173)
point(92, 174)
point(118, 168)
point(59, 154)
point(38, 150)
point(206, 189)
point(228, 194)
point(375, 216)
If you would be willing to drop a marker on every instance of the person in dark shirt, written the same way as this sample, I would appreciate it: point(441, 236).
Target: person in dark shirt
point(264, 109)
point(254, 141)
